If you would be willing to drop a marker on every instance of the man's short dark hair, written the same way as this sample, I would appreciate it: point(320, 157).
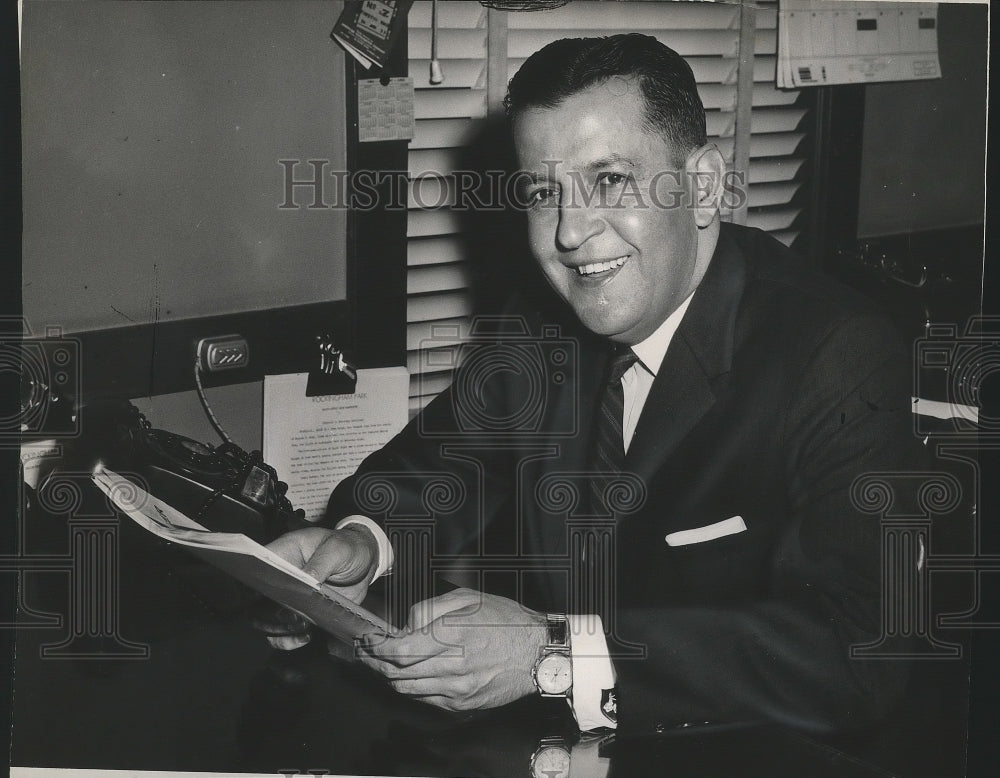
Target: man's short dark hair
point(566, 67)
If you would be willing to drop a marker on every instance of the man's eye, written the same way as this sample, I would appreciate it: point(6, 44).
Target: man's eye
point(611, 179)
point(540, 196)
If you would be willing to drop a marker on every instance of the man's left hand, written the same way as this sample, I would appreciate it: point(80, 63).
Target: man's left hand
point(464, 650)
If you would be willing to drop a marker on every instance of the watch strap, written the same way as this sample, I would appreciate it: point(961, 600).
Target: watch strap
point(557, 631)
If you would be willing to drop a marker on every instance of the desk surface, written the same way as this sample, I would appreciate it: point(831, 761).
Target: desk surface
point(212, 696)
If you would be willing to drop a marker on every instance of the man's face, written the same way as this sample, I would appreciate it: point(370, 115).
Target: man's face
point(609, 220)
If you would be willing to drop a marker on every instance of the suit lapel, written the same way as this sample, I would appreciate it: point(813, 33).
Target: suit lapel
point(699, 356)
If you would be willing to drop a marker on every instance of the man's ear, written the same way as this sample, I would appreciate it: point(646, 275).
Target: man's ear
point(706, 171)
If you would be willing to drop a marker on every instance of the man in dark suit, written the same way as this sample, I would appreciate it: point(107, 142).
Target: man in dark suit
point(734, 573)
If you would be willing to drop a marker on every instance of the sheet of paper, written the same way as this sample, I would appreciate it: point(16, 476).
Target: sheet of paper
point(245, 560)
point(823, 42)
point(316, 442)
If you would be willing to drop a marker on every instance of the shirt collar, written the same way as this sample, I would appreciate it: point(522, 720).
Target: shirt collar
point(653, 349)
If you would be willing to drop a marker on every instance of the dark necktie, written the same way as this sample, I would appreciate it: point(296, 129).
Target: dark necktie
point(607, 457)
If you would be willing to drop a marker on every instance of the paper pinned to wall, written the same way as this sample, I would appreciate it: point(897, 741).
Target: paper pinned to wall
point(385, 111)
point(315, 442)
point(822, 42)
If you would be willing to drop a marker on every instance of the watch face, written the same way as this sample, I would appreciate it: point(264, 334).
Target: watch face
point(551, 762)
point(555, 674)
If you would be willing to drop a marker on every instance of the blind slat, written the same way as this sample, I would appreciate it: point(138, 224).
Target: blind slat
point(767, 18)
point(425, 360)
point(765, 95)
point(777, 144)
point(435, 278)
point(772, 220)
point(770, 120)
point(452, 14)
point(765, 170)
point(449, 103)
point(446, 305)
point(718, 96)
point(766, 41)
point(433, 251)
point(417, 404)
point(421, 224)
point(441, 133)
point(429, 385)
point(440, 162)
point(720, 123)
point(436, 333)
point(765, 67)
point(452, 44)
point(430, 192)
point(786, 236)
point(777, 193)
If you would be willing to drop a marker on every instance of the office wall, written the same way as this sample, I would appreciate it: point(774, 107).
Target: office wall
point(923, 158)
point(151, 139)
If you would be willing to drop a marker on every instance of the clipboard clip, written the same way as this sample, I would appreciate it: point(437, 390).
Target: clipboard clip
point(332, 373)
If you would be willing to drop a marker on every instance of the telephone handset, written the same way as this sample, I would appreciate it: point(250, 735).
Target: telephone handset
point(224, 488)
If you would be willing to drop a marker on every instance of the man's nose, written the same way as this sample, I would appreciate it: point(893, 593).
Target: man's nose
point(578, 223)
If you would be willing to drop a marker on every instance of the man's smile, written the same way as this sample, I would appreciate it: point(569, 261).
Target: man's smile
point(602, 269)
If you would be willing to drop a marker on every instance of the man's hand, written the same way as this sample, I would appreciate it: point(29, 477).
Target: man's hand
point(345, 558)
point(462, 651)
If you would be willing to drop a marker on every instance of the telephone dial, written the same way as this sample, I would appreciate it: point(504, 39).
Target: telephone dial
point(224, 488)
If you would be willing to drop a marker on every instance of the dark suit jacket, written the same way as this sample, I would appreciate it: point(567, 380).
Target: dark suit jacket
point(778, 390)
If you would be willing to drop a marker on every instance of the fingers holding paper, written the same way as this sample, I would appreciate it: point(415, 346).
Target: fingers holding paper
point(344, 558)
point(461, 651)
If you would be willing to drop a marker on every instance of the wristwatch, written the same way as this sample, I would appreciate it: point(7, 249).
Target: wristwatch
point(551, 759)
point(553, 672)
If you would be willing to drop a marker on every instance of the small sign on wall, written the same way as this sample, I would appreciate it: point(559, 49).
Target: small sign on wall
point(822, 42)
point(385, 112)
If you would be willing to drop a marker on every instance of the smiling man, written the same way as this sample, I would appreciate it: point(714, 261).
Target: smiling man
point(732, 392)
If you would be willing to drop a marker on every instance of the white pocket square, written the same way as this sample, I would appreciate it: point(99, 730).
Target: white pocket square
point(709, 532)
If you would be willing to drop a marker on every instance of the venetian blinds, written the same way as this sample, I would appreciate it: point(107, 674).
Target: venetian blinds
point(437, 281)
point(706, 34)
point(777, 131)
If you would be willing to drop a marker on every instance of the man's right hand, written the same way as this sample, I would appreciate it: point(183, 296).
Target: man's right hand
point(344, 558)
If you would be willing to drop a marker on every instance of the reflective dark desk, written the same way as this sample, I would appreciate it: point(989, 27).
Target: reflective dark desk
point(202, 691)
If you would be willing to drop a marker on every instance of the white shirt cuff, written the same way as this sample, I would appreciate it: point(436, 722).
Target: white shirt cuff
point(593, 674)
point(385, 555)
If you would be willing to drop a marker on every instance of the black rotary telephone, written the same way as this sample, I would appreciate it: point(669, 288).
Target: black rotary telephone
point(224, 488)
